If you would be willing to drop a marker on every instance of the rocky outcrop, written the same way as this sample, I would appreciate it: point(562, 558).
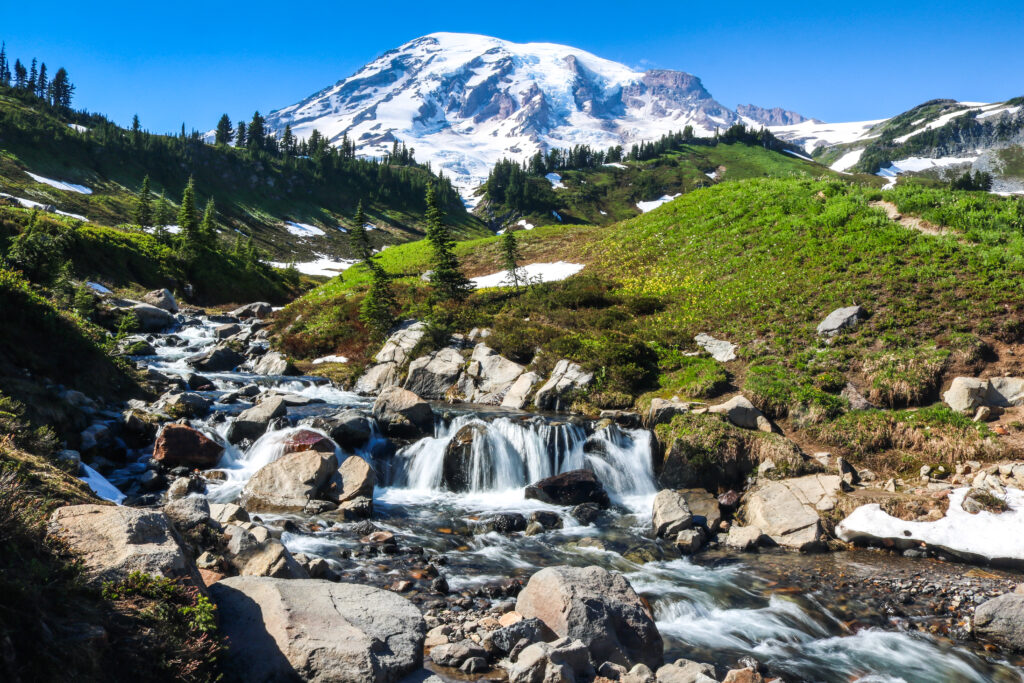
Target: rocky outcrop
point(569, 488)
point(161, 298)
point(403, 414)
point(274, 363)
point(788, 511)
point(840, 320)
point(313, 630)
point(565, 379)
point(967, 394)
point(181, 446)
point(114, 541)
point(599, 608)
point(434, 375)
point(742, 413)
point(391, 358)
point(489, 376)
point(663, 410)
point(290, 482)
point(257, 309)
point(1001, 620)
point(518, 394)
point(377, 378)
point(252, 422)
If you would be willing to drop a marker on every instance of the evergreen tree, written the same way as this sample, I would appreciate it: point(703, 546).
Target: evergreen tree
point(41, 82)
point(448, 281)
point(510, 255)
point(358, 237)
point(257, 133)
point(376, 311)
point(288, 140)
point(162, 215)
point(61, 90)
point(5, 69)
point(136, 133)
point(240, 135)
point(187, 214)
point(144, 207)
point(33, 74)
point(20, 74)
point(224, 131)
point(206, 228)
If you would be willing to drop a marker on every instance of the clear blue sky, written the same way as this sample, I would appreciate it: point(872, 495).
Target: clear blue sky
point(190, 61)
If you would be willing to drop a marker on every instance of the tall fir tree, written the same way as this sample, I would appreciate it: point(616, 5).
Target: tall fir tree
point(288, 140)
point(448, 281)
point(206, 227)
point(33, 73)
point(241, 135)
point(61, 90)
point(224, 131)
point(5, 69)
point(41, 82)
point(20, 74)
point(377, 309)
point(510, 256)
point(187, 214)
point(257, 132)
point(358, 237)
point(144, 207)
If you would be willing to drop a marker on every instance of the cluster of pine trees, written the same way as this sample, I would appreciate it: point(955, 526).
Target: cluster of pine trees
point(980, 181)
point(35, 82)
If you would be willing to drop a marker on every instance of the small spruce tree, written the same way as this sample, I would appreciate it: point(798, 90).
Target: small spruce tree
point(447, 279)
point(510, 255)
point(187, 214)
point(358, 238)
point(206, 228)
point(224, 131)
point(144, 206)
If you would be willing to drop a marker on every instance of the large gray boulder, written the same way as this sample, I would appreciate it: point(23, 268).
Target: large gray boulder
point(565, 378)
point(788, 511)
point(597, 607)
point(742, 413)
point(1001, 620)
point(151, 318)
point(274, 363)
point(161, 298)
point(257, 309)
point(840, 320)
point(403, 414)
point(489, 376)
point(251, 423)
point(314, 630)
point(518, 393)
point(377, 378)
point(433, 376)
point(350, 429)
point(114, 541)
point(290, 482)
point(357, 480)
point(399, 346)
point(565, 660)
point(217, 359)
point(663, 410)
point(720, 350)
point(670, 514)
point(967, 394)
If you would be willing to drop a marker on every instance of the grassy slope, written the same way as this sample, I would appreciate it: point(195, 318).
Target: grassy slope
point(760, 263)
point(253, 197)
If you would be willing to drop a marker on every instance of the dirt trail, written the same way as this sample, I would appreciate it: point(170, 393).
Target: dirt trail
point(911, 222)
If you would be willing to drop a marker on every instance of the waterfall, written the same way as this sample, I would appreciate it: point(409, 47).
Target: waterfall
point(508, 454)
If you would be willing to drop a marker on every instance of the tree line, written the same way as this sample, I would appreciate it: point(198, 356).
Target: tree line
point(34, 81)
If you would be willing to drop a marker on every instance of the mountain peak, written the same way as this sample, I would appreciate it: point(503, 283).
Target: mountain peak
point(776, 116)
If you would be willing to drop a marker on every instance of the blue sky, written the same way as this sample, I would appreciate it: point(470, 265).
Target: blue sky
point(188, 62)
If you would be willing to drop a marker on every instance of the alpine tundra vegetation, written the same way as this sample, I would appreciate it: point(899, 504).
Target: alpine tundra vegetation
point(504, 361)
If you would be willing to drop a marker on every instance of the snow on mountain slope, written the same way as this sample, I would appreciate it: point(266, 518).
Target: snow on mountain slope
point(812, 134)
point(464, 101)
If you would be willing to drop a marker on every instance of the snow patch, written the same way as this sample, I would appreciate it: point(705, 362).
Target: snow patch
point(525, 225)
point(98, 288)
point(992, 536)
point(916, 164)
point(655, 203)
point(535, 272)
point(303, 229)
point(323, 266)
point(847, 161)
point(29, 204)
point(60, 184)
point(615, 164)
point(170, 229)
point(77, 127)
point(798, 155)
point(330, 359)
point(556, 181)
point(100, 486)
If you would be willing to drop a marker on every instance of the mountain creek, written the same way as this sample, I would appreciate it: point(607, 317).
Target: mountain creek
point(458, 529)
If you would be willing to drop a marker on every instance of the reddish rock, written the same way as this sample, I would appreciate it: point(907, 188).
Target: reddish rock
point(308, 440)
point(210, 577)
point(180, 445)
point(378, 537)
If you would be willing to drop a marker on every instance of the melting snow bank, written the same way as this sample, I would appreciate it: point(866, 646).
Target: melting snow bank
point(655, 203)
point(29, 204)
point(556, 181)
point(60, 184)
point(100, 486)
point(845, 162)
point(321, 266)
point(798, 155)
point(330, 359)
point(915, 164)
point(303, 229)
point(996, 538)
point(535, 272)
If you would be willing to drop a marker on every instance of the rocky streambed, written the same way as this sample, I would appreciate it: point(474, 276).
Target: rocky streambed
point(432, 523)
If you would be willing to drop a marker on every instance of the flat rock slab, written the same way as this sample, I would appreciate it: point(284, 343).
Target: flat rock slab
point(314, 630)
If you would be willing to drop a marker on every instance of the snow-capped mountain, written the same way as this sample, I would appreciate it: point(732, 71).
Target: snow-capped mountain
point(464, 101)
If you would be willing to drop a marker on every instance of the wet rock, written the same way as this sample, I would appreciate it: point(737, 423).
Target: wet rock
point(518, 393)
point(474, 665)
point(547, 519)
point(586, 513)
point(114, 541)
point(161, 298)
point(504, 522)
point(569, 488)
point(670, 514)
point(403, 414)
point(274, 363)
point(563, 661)
point(307, 440)
point(458, 467)
point(184, 404)
point(787, 511)
point(1001, 620)
point(180, 445)
point(434, 375)
point(840, 320)
point(565, 379)
point(217, 359)
point(328, 631)
point(350, 429)
point(289, 483)
point(745, 537)
point(599, 608)
point(222, 332)
point(454, 654)
point(257, 309)
point(253, 422)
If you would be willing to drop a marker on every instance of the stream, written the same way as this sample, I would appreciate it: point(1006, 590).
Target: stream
point(716, 607)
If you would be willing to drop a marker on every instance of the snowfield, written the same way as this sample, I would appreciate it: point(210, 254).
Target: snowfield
point(556, 181)
point(535, 272)
point(813, 134)
point(847, 161)
point(655, 203)
point(29, 204)
point(987, 535)
point(916, 164)
point(324, 266)
point(60, 184)
point(330, 359)
point(303, 229)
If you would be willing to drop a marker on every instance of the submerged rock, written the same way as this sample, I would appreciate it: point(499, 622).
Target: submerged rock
point(282, 630)
point(569, 488)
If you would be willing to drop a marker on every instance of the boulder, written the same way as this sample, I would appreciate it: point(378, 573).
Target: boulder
point(1001, 620)
point(744, 537)
point(263, 556)
point(703, 504)
point(179, 445)
point(357, 480)
point(599, 608)
point(315, 630)
point(489, 376)
point(533, 630)
point(662, 411)
point(377, 378)
point(114, 541)
point(253, 422)
point(569, 488)
point(350, 429)
point(403, 414)
point(722, 351)
point(518, 394)
point(454, 654)
point(742, 413)
point(432, 376)
point(840, 320)
point(400, 344)
point(566, 378)
point(787, 511)
point(217, 359)
point(563, 661)
point(257, 309)
point(289, 483)
point(188, 512)
point(161, 298)
point(222, 332)
point(307, 440)
point(670, 514)
point(1006, 392)
point(274, 363)
point(966, 394)
point(226, 513)
point(184, 404)
point(457, 469)
point(686, 671)
point(151, 318)
point(689, 541)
